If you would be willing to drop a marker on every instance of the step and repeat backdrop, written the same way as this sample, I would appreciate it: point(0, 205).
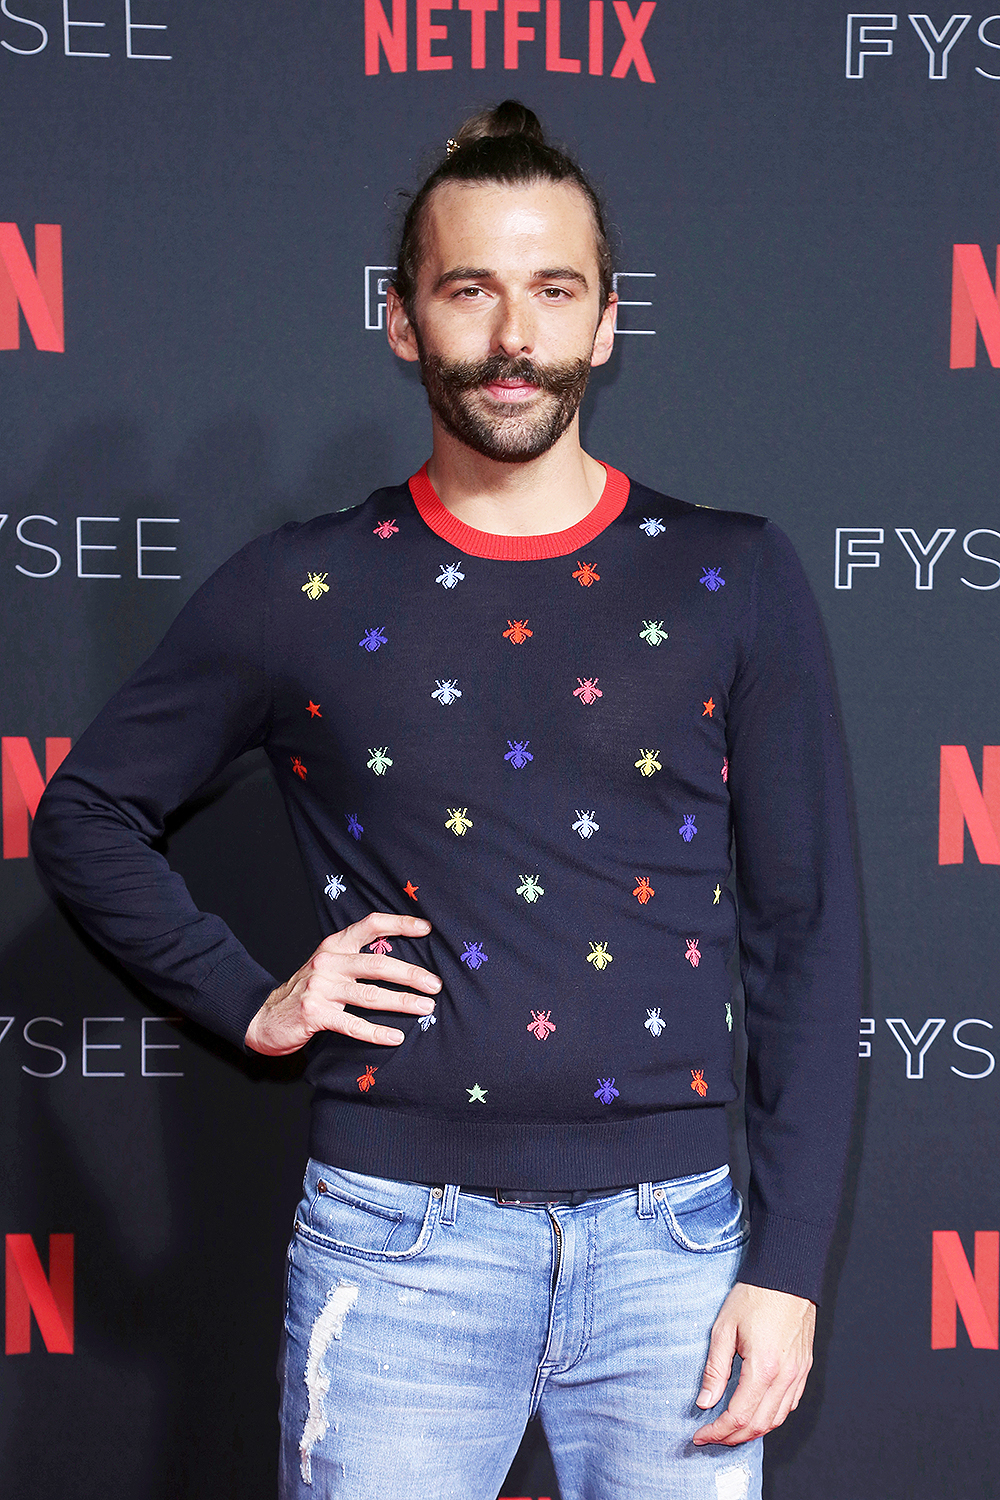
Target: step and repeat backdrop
point(197, 213)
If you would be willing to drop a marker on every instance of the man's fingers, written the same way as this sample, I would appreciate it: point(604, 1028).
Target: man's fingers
point(760, 1402)
point(370, 997)
point(377, 924)
point(379, 966)
point(718, 1365)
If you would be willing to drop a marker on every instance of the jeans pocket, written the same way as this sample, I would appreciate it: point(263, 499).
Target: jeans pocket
point(370, 1218)
point(705, 1220)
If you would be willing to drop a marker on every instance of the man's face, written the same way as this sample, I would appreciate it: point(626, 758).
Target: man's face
point(507, 320)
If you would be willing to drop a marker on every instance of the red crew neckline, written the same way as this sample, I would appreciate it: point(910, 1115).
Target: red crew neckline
point(519, 548)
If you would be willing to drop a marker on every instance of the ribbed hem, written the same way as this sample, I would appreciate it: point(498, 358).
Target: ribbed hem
point(786, 1254)
point(425, 1148)
point(475, 543)
point(239, 988)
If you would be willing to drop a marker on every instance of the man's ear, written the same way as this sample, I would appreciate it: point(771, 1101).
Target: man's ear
point(604, 339)
point(399, 330)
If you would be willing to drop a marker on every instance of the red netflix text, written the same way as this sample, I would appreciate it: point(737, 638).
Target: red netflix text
point(30, 1291)
point(23, 785)
point(957, 1287)
point(37, 290)
point(974, 305)
point(965, 804)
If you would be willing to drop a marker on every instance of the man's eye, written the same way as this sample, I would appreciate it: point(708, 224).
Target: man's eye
point(554, 293)
point(470, 293)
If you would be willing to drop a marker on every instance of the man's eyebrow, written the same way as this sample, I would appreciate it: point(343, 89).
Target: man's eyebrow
point(561, 273)
point(484, 273)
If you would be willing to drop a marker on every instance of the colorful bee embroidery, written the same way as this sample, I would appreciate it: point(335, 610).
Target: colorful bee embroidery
point(474, 956)
point(652, 526)
point(588, 691)
point(643, 891)
point(653, 632)
point(729, 1015)
point(698, 1081)
point(316, 586)
point(385, 529)
point(530, 888)
point(647, 762)
point(457, 821)
point(450, 575)
point(425, 1022)
point(717, 895)
point(374, 638)
point(687, 829)
point(380, 760)
point(540, 1024)
point(712, 579)
point(334, 887)
point(654, 1022)
point(446, 692)
point(380, 945)
point(367, 1078)
point(585, 824)
point(354, 828)
point(693, 953)
point(606, 1090)
point(518, 754)
point(299, 768)
point(586, 574)
point(724, 773)
point(517, 631)
point(599, 956)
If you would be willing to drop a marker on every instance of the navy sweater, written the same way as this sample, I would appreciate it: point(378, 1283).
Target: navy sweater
point(545, 746)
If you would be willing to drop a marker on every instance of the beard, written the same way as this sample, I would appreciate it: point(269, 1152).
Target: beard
point(509, 436)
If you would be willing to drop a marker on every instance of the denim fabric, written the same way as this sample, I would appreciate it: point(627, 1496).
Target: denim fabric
point(425, 1326)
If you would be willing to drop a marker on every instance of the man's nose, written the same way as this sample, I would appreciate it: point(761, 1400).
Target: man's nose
point(513, 333)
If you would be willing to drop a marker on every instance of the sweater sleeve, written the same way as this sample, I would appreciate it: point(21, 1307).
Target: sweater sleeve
point(799, 926)
point(200, 700)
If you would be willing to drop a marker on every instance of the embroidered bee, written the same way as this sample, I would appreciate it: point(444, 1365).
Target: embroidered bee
point(652, 526)
point(334, 887)
point(517, 631)
point(653, 632)
point(586, 574)
point(588, 691)
point(425, 1022)
point(354, 828)
point(519, 754)
point(687, 829)
point(606, 1090)
point(647, 762)
point(385, 529)
point(724, 773)
point(643, 891)
point(585, 824)
point(450, 575)
point(599, 956)
point(540, 1024)
point(729, 1016)
point(474, 955)
point(698, 1081)
point(367, 1079)
point(712, 579)
point(654, 1022)
point(316, 586)
point(380, 760)
point(298, 767)
point(530, 888)
point(380, 945)
point(446, 692)
point(457, 821)
point(374, 638)
point(693, 953)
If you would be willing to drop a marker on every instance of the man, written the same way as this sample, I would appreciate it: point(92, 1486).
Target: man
point(518, 710)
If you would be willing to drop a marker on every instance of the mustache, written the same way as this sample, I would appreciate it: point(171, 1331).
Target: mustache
point(467, 375)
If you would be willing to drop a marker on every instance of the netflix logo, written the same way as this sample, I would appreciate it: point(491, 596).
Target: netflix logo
point(34, 290)
point(578, 37)
point(957, 1287)
point(32, 1291)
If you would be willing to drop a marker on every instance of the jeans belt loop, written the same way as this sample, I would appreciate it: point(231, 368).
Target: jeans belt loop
point(645, 1209)
point(449, 1204)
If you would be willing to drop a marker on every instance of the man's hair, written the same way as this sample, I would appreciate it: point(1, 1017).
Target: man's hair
point(505, 145)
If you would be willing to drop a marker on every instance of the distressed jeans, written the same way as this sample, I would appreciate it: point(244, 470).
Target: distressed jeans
point(425, 1326)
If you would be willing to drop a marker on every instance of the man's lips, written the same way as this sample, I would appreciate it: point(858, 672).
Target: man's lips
point(510, 390)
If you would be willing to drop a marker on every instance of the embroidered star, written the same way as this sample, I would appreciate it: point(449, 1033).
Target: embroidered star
point(314, 710)
point(717, 894)
point(411, 890)
point(476, 1094)
point(709, 707)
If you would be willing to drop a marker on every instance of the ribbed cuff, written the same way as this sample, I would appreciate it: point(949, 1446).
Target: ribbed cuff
point(231, 996)
point(786, 1255)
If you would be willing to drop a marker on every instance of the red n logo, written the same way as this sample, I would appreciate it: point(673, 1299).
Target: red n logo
point(954, 1286)
point(37, 289)
point(962, 802)
point(29, 1291)
point(973, 301)
point(23, 785)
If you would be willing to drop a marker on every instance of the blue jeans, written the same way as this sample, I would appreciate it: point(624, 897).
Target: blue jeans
point(425, 1326)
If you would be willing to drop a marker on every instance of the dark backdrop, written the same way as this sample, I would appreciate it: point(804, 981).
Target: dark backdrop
point(226, 212)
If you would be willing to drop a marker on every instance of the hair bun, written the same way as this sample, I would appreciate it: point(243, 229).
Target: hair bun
point(509, 118)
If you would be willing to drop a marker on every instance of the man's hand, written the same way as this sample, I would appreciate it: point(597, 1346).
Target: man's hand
point(773, 1334)
point(337, 975)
